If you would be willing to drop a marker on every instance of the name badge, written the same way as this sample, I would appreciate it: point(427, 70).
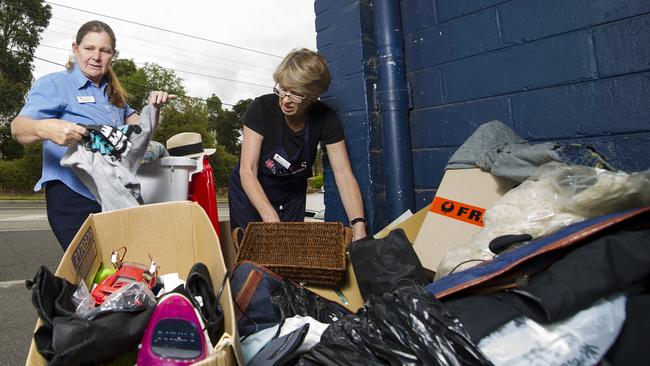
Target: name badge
point(282, 161)
point(85, 99)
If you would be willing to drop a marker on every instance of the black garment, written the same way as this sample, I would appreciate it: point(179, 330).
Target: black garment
point(631, 346)
point(385, 265)
point(604, 266)
point(285, 161)
point(66, 211)
point(66, 339)
point(265, 117)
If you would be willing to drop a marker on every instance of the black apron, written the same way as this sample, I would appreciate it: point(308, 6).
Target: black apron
point(284, 180)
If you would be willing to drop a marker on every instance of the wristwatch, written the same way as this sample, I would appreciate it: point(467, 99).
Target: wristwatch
point(357, 220)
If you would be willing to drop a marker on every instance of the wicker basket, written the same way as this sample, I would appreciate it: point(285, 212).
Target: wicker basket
point(307, 252)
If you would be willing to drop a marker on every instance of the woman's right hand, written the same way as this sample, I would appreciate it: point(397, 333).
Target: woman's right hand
point(62, 132)
point(272, 216)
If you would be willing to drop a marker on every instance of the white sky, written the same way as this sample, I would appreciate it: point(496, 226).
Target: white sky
point(270, 26)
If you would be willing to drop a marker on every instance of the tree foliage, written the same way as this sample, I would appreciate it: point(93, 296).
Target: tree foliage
point(21, 24)
point(188, 115)
point(226, 124)
point(140, 81)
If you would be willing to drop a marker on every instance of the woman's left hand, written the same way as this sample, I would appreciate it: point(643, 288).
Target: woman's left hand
point(158, 98)
point(358, 231)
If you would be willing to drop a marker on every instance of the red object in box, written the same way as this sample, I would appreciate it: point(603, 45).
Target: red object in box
point(202, 191)
point(126, 274)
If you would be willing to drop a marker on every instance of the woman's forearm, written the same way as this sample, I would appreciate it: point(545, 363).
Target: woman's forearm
point(257, 196)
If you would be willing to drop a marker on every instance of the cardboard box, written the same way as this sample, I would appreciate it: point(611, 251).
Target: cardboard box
point(346, 294)
point(410, 225)
point(175, 234)
point(456, 212)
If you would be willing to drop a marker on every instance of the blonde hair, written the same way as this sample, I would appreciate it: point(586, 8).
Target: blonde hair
point(305, 72)
point(115, 91)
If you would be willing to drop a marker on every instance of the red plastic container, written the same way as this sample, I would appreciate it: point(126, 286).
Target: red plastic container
point(203, 192)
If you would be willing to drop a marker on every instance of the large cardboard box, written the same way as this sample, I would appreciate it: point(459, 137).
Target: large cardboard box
point(456, 212)
point(175, 234)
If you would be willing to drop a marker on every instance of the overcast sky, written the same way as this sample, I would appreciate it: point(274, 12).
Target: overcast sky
point(219, 42)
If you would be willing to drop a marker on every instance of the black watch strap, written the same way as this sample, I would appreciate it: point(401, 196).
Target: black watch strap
point(358, 219)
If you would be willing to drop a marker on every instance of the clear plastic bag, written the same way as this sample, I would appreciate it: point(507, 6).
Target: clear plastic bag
point(130, 297)
point(82, 300)
point(557, 195)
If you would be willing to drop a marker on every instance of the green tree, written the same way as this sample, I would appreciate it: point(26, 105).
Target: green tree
point(226, 124)
point(21, 24)
point(140, 81)
point(188, 115)
point(222, 163)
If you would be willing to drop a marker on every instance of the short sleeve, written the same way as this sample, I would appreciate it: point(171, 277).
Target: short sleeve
point(333, 129)
point(128, 111)
point(44, 100)
point(253, 117)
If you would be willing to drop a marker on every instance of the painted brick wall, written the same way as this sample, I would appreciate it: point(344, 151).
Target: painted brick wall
point(344, 37)
point(564, 70)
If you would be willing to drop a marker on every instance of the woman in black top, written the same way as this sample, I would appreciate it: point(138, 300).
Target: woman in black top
point(281, 135)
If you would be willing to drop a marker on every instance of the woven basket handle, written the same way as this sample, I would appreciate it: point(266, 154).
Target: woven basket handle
point(348, 233)
point(235, 236)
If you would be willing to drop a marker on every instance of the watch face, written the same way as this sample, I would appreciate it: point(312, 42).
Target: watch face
point(176, 339)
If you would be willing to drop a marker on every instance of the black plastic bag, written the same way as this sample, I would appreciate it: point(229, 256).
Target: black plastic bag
point(66, 339)
point(292, 300)
point(384, 265)
point(406, 327)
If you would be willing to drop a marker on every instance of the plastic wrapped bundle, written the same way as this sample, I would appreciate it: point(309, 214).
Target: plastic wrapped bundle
point(556, 196)
point(406, 327)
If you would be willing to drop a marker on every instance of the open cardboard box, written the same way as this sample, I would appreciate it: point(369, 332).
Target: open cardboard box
point(175, 234)
point(456, 213)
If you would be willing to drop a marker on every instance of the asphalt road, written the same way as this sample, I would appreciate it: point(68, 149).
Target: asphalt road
point(26, 242)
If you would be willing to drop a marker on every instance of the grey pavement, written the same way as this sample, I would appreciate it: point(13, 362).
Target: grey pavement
point(21, 253)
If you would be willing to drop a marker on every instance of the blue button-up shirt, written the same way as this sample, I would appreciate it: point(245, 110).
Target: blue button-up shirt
point(70, 96)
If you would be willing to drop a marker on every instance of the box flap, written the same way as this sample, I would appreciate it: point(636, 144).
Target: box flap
point(455, 214)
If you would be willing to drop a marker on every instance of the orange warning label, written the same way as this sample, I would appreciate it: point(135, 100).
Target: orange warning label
point(458, 210)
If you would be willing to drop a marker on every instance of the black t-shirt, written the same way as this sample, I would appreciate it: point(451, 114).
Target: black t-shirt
point(265, 117)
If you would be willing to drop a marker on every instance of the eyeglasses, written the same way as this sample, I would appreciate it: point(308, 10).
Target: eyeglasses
point(292, 97)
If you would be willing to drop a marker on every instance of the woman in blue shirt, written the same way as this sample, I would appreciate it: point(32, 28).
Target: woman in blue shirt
point(57, 107)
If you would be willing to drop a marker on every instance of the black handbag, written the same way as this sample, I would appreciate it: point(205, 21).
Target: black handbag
point(67, 339)
point(385, 265)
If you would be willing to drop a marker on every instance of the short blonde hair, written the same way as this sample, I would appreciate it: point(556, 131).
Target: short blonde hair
point(305, 72)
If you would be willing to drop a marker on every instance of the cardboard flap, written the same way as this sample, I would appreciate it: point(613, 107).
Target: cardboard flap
point(455, 214)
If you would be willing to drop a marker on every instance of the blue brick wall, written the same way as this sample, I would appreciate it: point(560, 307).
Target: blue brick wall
point(569, 70)
point(344, 37)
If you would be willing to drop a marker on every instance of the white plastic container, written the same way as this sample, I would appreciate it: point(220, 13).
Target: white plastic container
point(166, 179)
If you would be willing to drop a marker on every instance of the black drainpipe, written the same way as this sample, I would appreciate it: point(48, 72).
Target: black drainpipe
point(393, 104)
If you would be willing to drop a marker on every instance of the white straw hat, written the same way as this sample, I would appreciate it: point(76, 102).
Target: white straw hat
point(188, 144)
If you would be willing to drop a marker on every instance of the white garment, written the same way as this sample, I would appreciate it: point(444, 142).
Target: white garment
point(113, 183)
point(582, 339)
point(312, 338)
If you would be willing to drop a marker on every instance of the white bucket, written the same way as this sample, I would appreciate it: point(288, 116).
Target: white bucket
point(166, 179)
